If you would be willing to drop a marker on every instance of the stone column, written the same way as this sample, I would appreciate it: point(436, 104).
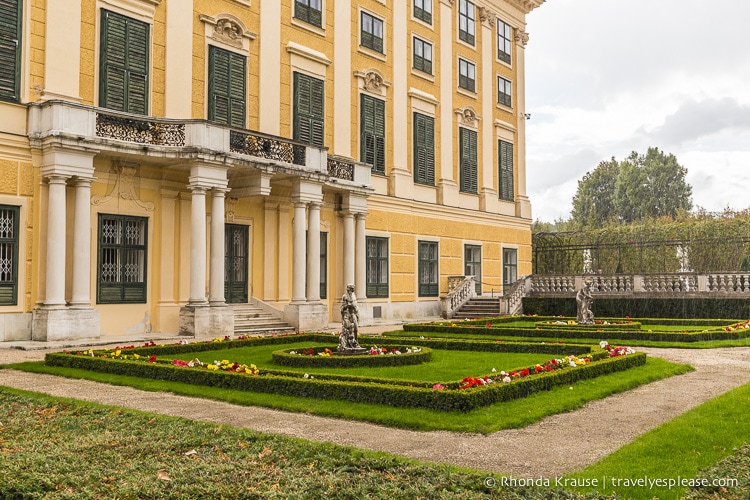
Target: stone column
point(348, 250)
point(81, 295)
point(56, 219)
point(298, 255)
point(216, 272)
point(523, 205)
point(360, 253)
point(313, 253)
point(198, 246)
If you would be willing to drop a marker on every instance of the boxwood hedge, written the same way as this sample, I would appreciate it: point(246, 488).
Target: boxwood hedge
point(283, 357)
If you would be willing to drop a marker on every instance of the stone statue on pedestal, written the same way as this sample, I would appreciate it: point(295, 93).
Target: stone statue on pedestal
point(349, 338)
point(584, 301)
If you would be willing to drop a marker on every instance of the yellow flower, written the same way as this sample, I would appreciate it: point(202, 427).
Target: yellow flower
point(212, 367)
point(136, 357)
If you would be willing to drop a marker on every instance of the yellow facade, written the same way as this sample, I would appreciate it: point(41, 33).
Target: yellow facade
point(65, 145)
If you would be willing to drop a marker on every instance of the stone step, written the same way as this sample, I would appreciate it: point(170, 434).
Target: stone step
point(254, 320)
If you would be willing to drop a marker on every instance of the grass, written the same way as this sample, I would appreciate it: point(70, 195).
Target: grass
point(608, 336)
point(512, 414)
point(445, 365)
point(683, 447)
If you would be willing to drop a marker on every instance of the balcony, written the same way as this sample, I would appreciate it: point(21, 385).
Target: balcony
point(170, 141)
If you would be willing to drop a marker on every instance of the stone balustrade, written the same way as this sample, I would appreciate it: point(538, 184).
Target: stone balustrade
point(653, 284)
point(460, 290)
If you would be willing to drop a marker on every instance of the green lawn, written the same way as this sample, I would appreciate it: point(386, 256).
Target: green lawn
point(446, 366)
point(511, 414)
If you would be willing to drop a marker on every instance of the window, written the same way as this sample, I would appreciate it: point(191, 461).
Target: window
point(504, 91)
point(505, 160)
point(377, 267)
point(424, 149)
point(468, 160)
point(466, 21)
point(309, 11)
point(122, 259)
point(422, 57)
point(510, 267)
point(323, 265)
point(372, 32)
point(309, 110)
point(423, 10)
point(10, 49)
point(504, 44)
point(372, 133)
point(8, 255)
point(473, 265)
point(466, 75)
point(226, 87)
point(123, 80)
point(428, 269)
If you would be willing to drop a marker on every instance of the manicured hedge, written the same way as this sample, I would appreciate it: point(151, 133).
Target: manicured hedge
point(361, 392)
point(284, 358)
point(641, 307)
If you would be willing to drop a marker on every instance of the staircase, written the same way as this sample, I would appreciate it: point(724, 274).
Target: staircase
point(251, 320)
point(479, 307)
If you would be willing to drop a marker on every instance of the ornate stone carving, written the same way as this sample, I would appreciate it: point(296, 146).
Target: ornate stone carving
point(349, 337)
point(373, 80)
point(125, 188)
point(522, 38)
point(230, 204)
point(487, 17)
point(468, 116)
point(229, 32)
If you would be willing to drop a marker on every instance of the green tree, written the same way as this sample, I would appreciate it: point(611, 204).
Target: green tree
point(594, 201)
point(642, 185)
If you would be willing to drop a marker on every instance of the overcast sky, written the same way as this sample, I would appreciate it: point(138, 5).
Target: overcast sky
point(607, 77)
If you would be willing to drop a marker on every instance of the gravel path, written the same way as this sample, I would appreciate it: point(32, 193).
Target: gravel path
point(597, 429)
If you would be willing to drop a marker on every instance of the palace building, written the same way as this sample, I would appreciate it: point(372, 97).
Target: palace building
point(165, 163)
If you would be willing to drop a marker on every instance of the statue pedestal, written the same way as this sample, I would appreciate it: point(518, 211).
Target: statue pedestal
point(354, 351)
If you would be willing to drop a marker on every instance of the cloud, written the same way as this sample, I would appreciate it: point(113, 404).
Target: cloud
point(694, 120)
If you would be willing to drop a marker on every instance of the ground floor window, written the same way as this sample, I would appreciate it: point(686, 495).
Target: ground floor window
point(510, 267)
point(8, 255)
point(428, 269)
point(121, 276)
point(323, 265)
point(377, 267)
point(473, 265)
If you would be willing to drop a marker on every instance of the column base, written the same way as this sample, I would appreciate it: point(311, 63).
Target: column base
point(448, 193)
point(307, 316)
point(206, 322)
point(49, 325)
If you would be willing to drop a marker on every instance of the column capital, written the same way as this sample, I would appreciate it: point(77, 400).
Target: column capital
point(83, 181)
point(197, 189)
point(57, 178)
point(521, 38)
point(219, 192)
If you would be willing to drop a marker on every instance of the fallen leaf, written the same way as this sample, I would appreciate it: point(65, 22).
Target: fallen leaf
point(190, 453)
point(266, 451)
point(151, 421)
point(241, 444)
point(221, 454)
point(218, 429)
point(163, 476)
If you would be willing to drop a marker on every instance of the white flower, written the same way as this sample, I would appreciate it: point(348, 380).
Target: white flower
point(494, 370)
point(603, 344)
point(502, 373)
point(421, 337)
point(506, 379)
point(572, 363)
point(306, 375)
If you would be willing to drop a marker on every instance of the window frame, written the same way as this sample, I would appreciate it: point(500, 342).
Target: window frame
point(510, 268)
point(312, 114)
point(421, 62)
point(213, 53)
point(465, 81)
point(424, 15)
point(504, 91)
point(469, 250)
point(428, 267)
point(379, 288)
point(371, 40)
point(141, 286)
point(108, 68)
point(468, 147)
point(467, 16)
point(10, 57)
point(424, 149)
point(504, 55)
point(372, 132)
point(9, 245)
point(506, 170)
point(324, 265)
point(305, 12)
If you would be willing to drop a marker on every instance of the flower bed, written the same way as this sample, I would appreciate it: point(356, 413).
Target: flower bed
point(325, 356)
point(145, 362)
point(599, 325)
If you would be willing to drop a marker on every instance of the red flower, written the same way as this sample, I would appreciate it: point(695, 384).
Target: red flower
point(152, 359)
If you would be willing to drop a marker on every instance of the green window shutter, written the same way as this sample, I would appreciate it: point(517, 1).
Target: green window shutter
point(226, 87)
point(506, 170)
point(123, 84)
point(468, 140)
point(424, 149)
point(10, 49)
point(428, 269)
point(309, 110)
point(372, 132)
